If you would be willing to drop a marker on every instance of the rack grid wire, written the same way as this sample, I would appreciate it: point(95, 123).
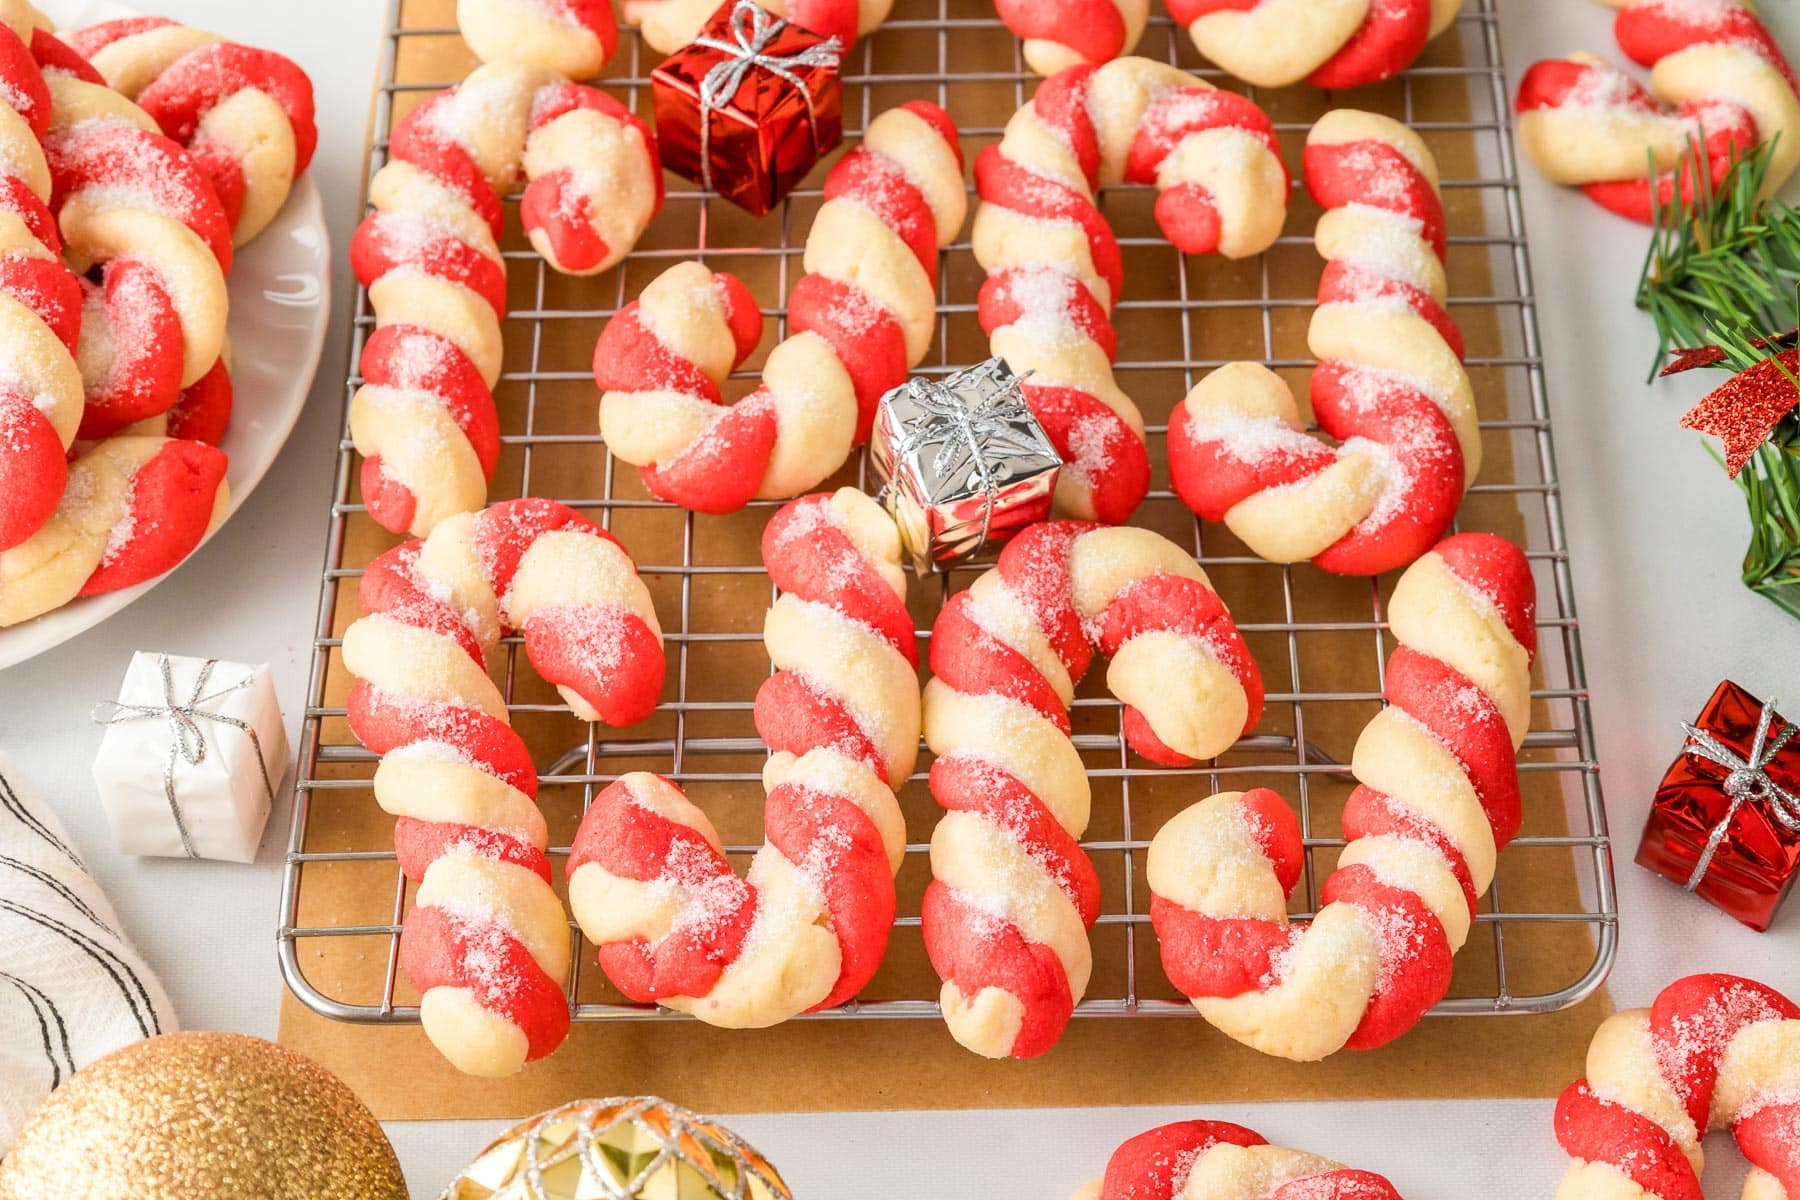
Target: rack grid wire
point(334, 769)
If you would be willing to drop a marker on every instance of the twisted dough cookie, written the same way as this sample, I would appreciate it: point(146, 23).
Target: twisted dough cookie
point(668, 25)
point(571, 37)
point(1012, 893)
point(134, 508)
point(1584, 122)
point(424, 419)
point(1328, 43)
point(1390, 387)
point(1712, 1052)
point(861, 317)
point(1054, 269)
point(486, 942)
point(1437, 799)
point(1059, 34)
point(809, 925)
point(246, 115)
point(1216, 1160)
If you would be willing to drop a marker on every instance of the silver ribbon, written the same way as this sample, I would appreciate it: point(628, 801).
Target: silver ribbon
point(1748, 781)
point(976, 433)
point(752, 29)
point(187, 737)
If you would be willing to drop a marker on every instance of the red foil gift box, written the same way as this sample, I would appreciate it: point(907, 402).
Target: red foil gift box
point(1725, 823)
point(749, 105)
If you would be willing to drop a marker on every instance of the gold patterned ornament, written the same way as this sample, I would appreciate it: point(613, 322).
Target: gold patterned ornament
point(640, 1148)
point(203, 1116)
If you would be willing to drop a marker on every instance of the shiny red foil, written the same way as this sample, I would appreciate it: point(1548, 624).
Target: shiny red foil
point(761, 143)
point(1756, 863)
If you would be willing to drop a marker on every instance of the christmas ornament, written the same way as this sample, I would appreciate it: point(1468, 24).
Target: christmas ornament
point(965, 463)
point(749, 106)
point(640, 1148)
point(1725, 823)
point(203, 1116)
point(1720, 284)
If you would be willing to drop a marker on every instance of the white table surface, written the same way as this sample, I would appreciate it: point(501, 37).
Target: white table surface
point(1657, 537)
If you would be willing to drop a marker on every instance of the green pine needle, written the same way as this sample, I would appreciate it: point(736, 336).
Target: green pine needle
point(1724, 270)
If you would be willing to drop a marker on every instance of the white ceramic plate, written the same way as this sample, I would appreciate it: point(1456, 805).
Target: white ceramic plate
point(280, 292)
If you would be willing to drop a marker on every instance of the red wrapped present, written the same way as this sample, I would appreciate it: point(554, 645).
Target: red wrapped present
point(1726, 821)
point(749, 106)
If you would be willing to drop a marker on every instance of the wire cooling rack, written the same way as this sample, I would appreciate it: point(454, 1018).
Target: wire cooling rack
point(1554, 902)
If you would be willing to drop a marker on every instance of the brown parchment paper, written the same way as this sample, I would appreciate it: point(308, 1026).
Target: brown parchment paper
point(862, 1064)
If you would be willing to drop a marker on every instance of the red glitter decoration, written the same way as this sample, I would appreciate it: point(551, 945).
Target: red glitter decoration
point(1744, 411)
point(1713, 356)
point(1756, 862)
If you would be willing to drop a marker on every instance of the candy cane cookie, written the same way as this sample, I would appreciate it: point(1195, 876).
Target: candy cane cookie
point(424, 418)
point(1328, 43)
point(571, 37)
point(808, 926)
point(1059, 34)
point(245, 114)
point(1723, 78)
point(1437, 798)
point(668, 25)
point(1711, 1052)
point(134, 508)
point(861, 317)
point(133, 203)
point(40, 300)
point(1012, 893)
point(1054, 271)
point(1390, 386)
point(486, 942)
point(1216, 1160)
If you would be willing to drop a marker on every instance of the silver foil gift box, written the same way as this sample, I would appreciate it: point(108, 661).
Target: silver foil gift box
point(964, 462)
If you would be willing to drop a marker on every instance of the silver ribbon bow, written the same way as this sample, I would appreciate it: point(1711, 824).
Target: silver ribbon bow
point(752, 29)
point(187, 737)
point(977, 433)
point(1748, 781)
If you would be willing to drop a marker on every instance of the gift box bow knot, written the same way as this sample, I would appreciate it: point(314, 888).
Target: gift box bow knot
point(187, 735)
point(1749, 781)
point(753, 30)
point(970, 436)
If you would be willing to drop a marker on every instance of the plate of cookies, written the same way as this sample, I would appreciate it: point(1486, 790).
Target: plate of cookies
point(163, 304)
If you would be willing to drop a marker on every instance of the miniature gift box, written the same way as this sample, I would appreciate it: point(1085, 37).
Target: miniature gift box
point(965, 463)
point(192, 753)
point(748, 106)
point(1725, 823)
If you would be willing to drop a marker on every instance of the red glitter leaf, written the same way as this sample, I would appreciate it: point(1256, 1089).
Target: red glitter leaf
point(1744, 411)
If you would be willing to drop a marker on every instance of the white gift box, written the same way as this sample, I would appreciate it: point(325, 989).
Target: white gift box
point(193, 752)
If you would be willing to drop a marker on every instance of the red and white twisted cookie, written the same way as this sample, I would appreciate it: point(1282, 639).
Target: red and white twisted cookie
point(134, 508)
point(132, 202)
point(808, 927)
point(1711, 1052)
point(1390, 388)
point(1587, 123)
point(1059, 34)
point(1012, 893)
point(571, 37)
point(1328, 43)
point(424, 419)
point(1054, 268)
point(1437, 799)
point(245, 114)
point(861, 317)
point(1216, 1160)
point(486, 942)
point(668, 25)
point(40, 301)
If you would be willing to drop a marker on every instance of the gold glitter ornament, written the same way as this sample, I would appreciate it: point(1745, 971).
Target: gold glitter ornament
point(640, 1148)
point(202, 1116)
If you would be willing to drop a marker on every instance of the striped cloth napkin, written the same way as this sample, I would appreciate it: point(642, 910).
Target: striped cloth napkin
point(71, 987)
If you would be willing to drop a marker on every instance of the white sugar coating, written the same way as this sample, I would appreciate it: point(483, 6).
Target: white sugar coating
point(1253, 440)
point(598, 652)
point(1602, 89)
point(1088, 442)
point(431, 749)
point(131, 162)
point(1384, 183)
point(1015, 820)
point(407, 234)
point(1391, 241)
point(1405, 938)
point(1705, 1032)
point(485, 959)
point(835, 637)
point(829, 841)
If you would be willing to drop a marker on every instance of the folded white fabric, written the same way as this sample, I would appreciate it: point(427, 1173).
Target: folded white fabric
point(71, 987)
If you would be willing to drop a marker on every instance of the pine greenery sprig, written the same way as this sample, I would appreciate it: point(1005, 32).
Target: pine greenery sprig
point(1724, 270)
